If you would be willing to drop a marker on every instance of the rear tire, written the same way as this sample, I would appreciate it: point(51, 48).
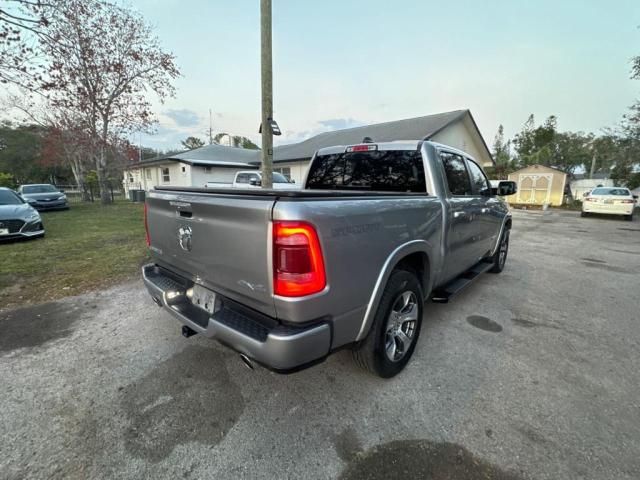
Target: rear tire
point(629, 218)
point(583, 214)
point(500, 257)
point(396, 327)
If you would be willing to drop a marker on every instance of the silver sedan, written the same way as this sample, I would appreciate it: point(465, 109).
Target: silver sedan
point(18, 218)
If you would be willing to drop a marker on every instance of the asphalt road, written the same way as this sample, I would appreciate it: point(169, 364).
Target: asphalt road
point(530, 374)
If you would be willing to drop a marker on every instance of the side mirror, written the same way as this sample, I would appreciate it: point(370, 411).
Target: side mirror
point(635, 197)
point(505, 188)
point(61, 190)
point(293, 181)
point(255, 183)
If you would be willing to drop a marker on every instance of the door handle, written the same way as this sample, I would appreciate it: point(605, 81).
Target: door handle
point(459, 214)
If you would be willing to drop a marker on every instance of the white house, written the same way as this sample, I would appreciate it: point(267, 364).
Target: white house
point(219, 163)
point(193, 168)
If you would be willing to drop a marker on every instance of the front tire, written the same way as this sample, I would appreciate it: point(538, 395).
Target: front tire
point(396, 327)
point(583, 214)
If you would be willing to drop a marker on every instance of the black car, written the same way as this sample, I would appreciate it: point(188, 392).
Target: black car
point(44, 196)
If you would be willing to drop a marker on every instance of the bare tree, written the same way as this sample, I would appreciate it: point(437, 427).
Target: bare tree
point(21, 26)
point(103, 60)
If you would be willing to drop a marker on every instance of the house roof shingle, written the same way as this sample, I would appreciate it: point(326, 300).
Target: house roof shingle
point(219, 155)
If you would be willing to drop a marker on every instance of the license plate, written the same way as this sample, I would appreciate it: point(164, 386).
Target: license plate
point(4, 231)
point(608, 201)
point(204, 298)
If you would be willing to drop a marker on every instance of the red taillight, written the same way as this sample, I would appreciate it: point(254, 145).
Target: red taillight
point(298, 267)
point(628, 201)
point(146, 226)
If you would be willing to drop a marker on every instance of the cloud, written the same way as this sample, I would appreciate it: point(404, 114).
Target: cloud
point(183, 117)
point(340, 123)
point(163, 138)
point(320, 126)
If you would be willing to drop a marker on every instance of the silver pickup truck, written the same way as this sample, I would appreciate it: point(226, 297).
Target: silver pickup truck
point(287, 277)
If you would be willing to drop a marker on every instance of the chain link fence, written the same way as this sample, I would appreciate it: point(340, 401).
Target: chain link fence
point(91, 192)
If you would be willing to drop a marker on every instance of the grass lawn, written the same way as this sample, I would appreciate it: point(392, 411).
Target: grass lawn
point(85, 247)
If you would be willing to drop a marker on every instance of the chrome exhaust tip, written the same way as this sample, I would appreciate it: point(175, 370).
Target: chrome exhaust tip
point(247, 361)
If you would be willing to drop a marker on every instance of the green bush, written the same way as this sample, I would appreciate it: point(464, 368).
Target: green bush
point(7, 180)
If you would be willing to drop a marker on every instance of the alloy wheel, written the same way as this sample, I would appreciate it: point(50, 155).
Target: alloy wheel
point(401, 326)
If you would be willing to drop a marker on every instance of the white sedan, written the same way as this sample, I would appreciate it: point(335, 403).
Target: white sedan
point(609, 200)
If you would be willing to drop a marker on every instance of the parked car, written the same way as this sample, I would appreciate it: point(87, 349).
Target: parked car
point(253, 179)
point(18, 218)
point(610, 201)
point(287, 277)
point(44, 196)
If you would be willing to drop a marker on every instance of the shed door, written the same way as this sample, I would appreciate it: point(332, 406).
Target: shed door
point(534, 188)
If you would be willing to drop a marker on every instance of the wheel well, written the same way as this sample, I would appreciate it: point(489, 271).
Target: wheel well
point(417, 262)
point(508, 224)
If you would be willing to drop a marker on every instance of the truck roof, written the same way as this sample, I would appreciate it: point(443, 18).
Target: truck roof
point(395, 145)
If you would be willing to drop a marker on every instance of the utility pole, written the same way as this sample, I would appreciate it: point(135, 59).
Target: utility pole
point(593, 166)
point(210, 129)
point(267, 93)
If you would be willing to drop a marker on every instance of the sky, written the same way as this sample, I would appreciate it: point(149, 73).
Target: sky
point(338, 64)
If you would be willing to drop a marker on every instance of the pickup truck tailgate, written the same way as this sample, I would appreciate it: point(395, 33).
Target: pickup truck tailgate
point(219, 241)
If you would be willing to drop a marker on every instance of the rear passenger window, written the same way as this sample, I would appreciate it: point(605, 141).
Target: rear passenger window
point(457, 175)
point(479, 181)
point(242, 178)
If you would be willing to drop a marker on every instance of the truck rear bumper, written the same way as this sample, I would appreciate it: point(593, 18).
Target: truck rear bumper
point(257, 336)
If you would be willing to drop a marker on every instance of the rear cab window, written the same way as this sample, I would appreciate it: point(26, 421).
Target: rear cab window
point(620, 192)
point(242, 178)
point(375, 170)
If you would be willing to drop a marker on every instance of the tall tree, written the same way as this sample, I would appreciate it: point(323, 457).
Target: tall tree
point(572, 150)
point(191, 143)
point(536, 145)
point(21, 23)
point(501, 156)
point(103, 61)
point(524, 140)
point(627, 167)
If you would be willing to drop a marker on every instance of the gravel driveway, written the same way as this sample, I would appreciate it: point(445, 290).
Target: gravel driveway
point(531, 374)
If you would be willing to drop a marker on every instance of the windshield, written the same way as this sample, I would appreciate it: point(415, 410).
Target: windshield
point(379, 170)
point(279, 178)
point(39, 189)
point(621, 192)
point(7, 197)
